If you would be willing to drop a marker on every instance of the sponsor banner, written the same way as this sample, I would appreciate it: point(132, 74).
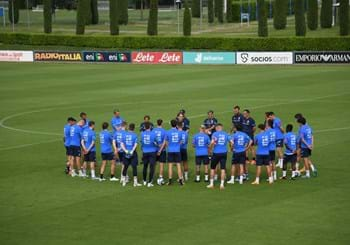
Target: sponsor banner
point(209, 58)
point(157, 57)
point(263, 58)
point(16, 56)
point(66, 56)
point(106, 56)
point(321, 57)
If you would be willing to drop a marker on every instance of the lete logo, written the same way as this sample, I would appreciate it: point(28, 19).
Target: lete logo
point(244, 57)
point(157, 57)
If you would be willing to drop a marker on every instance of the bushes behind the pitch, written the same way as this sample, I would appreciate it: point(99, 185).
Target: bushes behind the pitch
point(180, 43)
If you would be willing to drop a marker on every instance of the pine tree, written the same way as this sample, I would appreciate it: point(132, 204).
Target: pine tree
point(94, 12)
point(152, 27)
point(113, 17)
point(262, 19)
point(187, 25)
point(82, 12)
point(210, 11)
point(229, 16)
point(220, 11)
point(312, 15)
point(195, 8)
point(299, 11)
point(123, 15)
point(280, 14)
point(344, 17)
point(47, 16)
point(326, 14)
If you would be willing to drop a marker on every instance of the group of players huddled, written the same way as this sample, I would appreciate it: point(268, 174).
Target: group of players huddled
point(211, 145)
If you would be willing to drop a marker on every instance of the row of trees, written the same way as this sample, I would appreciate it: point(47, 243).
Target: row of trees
point(326, 16)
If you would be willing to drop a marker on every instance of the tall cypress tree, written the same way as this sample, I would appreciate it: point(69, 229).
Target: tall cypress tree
point(88, 11)
point(220, 11)
point(113, 17)
point(82, 15)
point(123, 15)
point(195, 8)
point(210, 11)
point(187, 25)
point(262, 19)
point(94, 12)
point(280, 14)
point(13, 7)
point(229, 16)
point(344, 17)
point(300, 26)
point(326, 14)
point(47, 16)
point(216, 7)
point(152, 27)
point(312, 15)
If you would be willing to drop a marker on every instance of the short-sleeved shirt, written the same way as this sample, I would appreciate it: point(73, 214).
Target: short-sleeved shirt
point(240, 141)
point(305, 133)
point(237, 119)
point(272, 138)
point(201, 142)
point(262, 142)
point(75, 134)
point(221, 138)
point(106, 141)
point(117, 137)
point(185, 124)
point(277, 124)
point(160, 136)
point(129, 140)
point(148, 142)
point(89, 136)
point(66, 134)
point(173, 137)
point(184, 139)
point(210, 122)
point(116, 122)
point(142, 126)
point(290, 141)
point(248, 125)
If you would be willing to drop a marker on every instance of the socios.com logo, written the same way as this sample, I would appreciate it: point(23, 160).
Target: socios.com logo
point(244, 57)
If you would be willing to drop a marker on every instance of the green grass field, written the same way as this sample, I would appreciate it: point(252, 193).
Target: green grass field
point(40, 205)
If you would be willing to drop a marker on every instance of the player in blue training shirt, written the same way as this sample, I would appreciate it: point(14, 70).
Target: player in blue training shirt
point(306, 145)
point(129, 145)
point(88, 144)
point(161, 150)
point(107, 154)
point(117, 120)
point(272, 147)
point(146, 119)
point(173, 141)
point(118, 151)
point(219, 142)
point(201, 142)
point(262, 141)
point(83, 117)
point(240, 143)
point(149, 153)
point(290, 153)
point(66, 136)
point(248, 127)
point(277, 126)
point(75, 134)
point(183, 149)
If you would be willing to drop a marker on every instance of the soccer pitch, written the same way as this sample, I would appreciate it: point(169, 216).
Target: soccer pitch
point(41, 205)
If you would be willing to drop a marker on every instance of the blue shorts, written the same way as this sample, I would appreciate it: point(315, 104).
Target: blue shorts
point(239, 158)
point(262, 160)
point(174, 157)
point(272, 156)
point(90, 156)
point(184, 156)
point(107, 156)
point(74, 151)
point(162, 157)
point(202, 160)
point(305, 152)
point(218, 158)
point(279, 143)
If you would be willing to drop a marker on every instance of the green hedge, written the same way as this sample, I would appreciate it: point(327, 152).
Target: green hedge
point(180, 43)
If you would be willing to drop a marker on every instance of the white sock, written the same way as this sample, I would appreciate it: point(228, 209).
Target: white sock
point(215, 176)
point(222, 182)
point(198, 177)
point(275, 175)
point(93, 173)
point(206, 177)
point(232, 178)
point(257, 179)
point(270, 179)
point(211, 181)
point(297, 166)
point(186, 174)
point(80, 172)
point(293, 174)
point(241, 179)
point(135, 179)
point(285, 173)
point(307, 173)
point(280, 162)
point(312, 167)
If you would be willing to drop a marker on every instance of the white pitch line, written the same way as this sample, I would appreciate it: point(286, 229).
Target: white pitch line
point(27, 145)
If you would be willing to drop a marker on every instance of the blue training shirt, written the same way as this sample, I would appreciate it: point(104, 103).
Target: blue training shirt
point(75, 134)
point(129, 140)
point(116, 122)
point(305, 133)
point(148, 142)
point(160, 136)
point(272, 138)
point(221, 139)
point(173, 137)
point(66, 134)
point(240, 141)
point(262, 141)
point(277, 124)
point(184, 139)
point(106, 141)
point(201, 142)
point(118, 136)
point(89, 136)
point(290, 141)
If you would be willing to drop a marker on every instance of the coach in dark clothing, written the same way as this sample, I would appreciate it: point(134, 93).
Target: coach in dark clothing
point(210, 123)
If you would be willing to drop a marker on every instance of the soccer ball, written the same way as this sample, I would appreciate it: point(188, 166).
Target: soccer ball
point(160, 181)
